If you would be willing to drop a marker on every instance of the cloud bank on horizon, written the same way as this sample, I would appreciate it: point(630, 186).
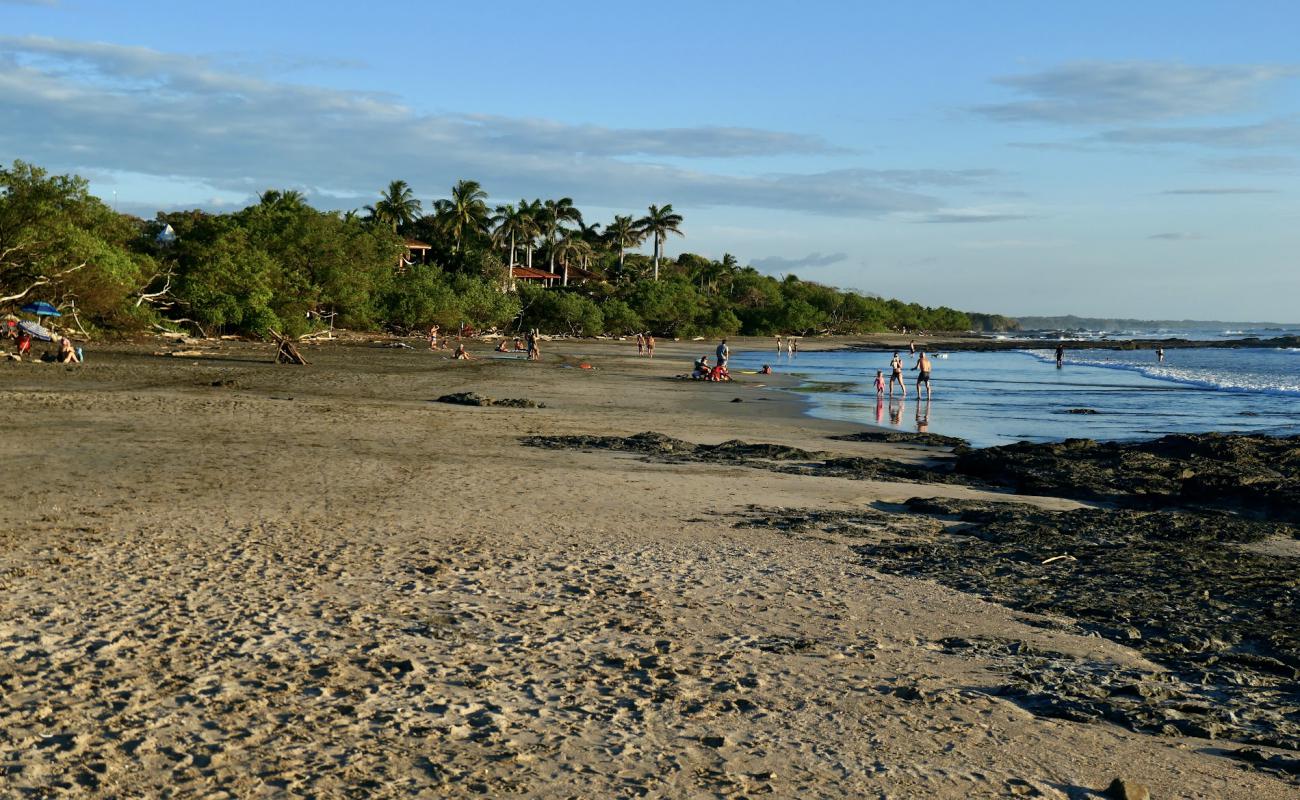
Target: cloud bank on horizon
point(1116, 148)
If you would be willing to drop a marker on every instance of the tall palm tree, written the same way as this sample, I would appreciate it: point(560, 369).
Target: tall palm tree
point(396, 206)
point(556, 214)
point(572, 246)
point(623, 233)
point(660, 222)
point(513, 227)
point(466, 212)
point(505, 229)
point(531, 215)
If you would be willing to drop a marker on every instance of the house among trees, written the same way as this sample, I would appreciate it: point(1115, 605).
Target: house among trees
point(417, 252)
point(522, 273)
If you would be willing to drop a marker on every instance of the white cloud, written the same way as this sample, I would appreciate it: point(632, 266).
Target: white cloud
point(964, 216)
point(133, 109)
point(1268, 134)
point(1099, 92)
point(1176, 236)
point(810, 261)
point(1221, 190)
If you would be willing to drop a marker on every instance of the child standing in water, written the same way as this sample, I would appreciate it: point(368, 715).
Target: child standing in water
point(880, 383)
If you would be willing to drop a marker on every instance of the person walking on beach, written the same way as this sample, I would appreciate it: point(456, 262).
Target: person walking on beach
point(896, 374)
point(923, 376)
point(778, 344)
point(880, 384)
point(723, 353)
point(650, 345)
point(534, 351)
point(640, 343)
point(1060, 356)
point(794, 347)
point(911, 347)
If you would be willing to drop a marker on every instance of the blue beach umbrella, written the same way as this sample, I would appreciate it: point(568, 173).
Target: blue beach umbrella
point(41, 309)
point(35, 331)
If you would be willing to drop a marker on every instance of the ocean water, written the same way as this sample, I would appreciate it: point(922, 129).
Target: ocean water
point(1001, 397)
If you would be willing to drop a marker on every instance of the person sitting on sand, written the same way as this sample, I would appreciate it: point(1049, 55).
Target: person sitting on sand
point(67, 353)
point(702, 370)
point(461, 353)
point(923, 376)
point(719, 373)
point(519, 345)
point(24, 343)
point(880, 383)
point(502, 347)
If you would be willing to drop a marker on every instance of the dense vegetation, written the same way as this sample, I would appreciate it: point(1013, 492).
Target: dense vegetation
point(281, 264)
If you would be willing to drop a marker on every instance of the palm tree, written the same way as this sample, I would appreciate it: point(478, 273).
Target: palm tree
point(530, 215)
point(572, 246)
point(466, 211)
point(396, 206)
point(623, 233)
point(558, 212)
point(513, 226)
point(292, 199)
point(660, 222)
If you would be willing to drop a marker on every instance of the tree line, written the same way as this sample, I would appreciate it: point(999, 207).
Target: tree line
point(281, 264)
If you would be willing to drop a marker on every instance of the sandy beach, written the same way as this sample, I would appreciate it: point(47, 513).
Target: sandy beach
point(226, 578)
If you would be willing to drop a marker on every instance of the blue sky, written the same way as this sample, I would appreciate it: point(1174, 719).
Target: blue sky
point(1110, 159)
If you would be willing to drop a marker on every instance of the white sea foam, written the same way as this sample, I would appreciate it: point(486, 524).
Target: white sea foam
point(1220, 377)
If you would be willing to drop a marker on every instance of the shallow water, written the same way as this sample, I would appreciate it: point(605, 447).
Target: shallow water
point(1001, 397)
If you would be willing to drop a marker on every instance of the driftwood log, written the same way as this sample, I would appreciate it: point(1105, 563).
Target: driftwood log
point(287, 353)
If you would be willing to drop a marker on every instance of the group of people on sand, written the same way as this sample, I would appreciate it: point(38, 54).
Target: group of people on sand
point(645, 344)
point(65, 353)
point(529, 344)
point(791, 345)
point(922, 367)
point(718, 372)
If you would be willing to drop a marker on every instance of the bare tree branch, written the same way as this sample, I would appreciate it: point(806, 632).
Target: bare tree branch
point(42, 280)
point(149, 297)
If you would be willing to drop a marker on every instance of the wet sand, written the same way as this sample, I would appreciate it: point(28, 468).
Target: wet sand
point(227, 578)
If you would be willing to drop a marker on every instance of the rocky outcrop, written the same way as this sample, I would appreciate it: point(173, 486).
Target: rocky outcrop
point(1250, 474)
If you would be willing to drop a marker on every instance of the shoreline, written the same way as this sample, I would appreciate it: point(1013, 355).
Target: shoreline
point(307, 580)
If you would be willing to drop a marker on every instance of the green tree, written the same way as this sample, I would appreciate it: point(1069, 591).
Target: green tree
point(396, 206)
point(555, 215)
point(63, 244)
point(466, 213)
point(622, 234)
point(658, 223)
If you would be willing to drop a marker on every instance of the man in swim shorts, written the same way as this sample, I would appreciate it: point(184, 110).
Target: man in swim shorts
point(923, 375)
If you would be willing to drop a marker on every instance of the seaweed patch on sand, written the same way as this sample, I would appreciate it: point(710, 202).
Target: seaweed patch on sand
point(1176, 586)
point(901, 437)
point(760, 455)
